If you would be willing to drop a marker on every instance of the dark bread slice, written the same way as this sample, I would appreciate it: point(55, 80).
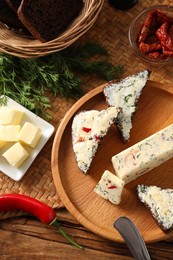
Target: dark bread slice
point(13, 4)
point(47, 19)
point(8, 17)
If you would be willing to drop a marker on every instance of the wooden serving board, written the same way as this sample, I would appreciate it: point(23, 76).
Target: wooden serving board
point(154, 112)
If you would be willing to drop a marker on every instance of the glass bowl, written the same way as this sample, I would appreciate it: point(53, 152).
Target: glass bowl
point(137, 26)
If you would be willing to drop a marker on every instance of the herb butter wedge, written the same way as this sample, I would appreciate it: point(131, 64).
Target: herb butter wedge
point(144, 155)
point(110, 187)
point(125, 94)
point(160, 202)
point(88, 128)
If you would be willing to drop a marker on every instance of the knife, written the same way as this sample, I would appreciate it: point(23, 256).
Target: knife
point(133, 238)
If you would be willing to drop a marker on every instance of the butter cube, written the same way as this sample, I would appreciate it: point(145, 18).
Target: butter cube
point(16, 155)
point(10, 116)
point(110, 187)
point(30, 134)
point(9, 133)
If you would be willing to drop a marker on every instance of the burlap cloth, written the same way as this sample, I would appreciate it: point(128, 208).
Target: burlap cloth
point(110, 30)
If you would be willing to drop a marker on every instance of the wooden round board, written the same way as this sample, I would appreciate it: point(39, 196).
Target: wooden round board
point(154, 112)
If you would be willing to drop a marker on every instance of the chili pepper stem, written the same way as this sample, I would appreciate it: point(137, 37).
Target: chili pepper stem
point(55, 223)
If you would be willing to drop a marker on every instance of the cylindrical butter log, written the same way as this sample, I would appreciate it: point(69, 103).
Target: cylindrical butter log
point(145, 155)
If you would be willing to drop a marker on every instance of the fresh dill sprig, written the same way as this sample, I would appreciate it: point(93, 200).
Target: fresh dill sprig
point(28, 81)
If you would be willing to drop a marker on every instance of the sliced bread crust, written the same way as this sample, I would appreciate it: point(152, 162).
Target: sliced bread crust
point(8, 17)
point(13, 4)
point(47, 19)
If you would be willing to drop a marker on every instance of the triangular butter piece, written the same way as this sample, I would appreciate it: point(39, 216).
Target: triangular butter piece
point(125, 94)
point(88, 128)
point(160, 202)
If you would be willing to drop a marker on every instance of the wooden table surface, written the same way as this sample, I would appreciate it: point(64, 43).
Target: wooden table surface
point(25, 237)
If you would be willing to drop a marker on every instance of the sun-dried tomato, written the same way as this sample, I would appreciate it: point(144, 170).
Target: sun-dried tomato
point(165, 40)
point(152, 39)
point(149, 26)
point(154, 55)
point(163, 18)
point(145, 47)
point(155, 38)
point(170, 31)
point(167, 53)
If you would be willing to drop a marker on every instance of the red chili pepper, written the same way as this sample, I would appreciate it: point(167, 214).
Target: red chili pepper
point(86, 129)
point(97, 137)
point(25, 203)
point(46, 214)
point(81, 139)
point(112, 187)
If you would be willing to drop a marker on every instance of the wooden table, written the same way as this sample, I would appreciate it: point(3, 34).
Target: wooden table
point(25, 237)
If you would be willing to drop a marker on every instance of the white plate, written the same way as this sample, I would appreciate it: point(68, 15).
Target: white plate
point(46, 129)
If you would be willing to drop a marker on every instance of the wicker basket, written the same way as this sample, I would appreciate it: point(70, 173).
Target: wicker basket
point(20, 45)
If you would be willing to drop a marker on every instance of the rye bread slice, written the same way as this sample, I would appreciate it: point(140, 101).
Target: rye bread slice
point(13, 4)
point(48, 19)
point(8, 17)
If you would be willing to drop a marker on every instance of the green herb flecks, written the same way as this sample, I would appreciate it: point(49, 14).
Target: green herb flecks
point(30, 82)
point(126, 98)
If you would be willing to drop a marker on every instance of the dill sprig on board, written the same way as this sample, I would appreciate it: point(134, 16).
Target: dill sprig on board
point(27, 81)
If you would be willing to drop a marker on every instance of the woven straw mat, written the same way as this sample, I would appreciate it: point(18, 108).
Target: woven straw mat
point(111, 31)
